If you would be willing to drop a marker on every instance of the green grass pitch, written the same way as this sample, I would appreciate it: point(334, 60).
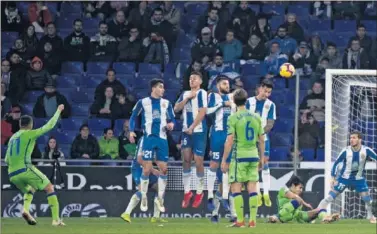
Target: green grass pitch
point(178, 226)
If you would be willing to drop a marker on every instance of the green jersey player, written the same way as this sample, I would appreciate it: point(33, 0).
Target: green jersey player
point(290, 206)
point(244, 131)
point(23, 174)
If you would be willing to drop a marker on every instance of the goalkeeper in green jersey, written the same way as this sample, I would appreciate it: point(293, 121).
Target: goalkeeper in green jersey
point(244, 131)
point(23, 174)
point(290, 206)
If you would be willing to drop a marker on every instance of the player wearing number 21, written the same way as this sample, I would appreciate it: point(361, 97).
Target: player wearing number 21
point(244, 131)
point(21, 171)
point(352, 173)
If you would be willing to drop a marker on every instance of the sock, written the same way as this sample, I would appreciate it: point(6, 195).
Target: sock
point(238, 204)
point(326, 201)
point(156, 211)
point(322, 213)
point(266, 179)
point(54, 205)
point(144, 182)
point(200, 184)
point(211, 178)
point(187, 180)
point(162, 181)
point(368, 205)
point(135, 199)
point(232, 206)
point(225, 186)
point(28, 198)
point(253, 206)
point(216, 202)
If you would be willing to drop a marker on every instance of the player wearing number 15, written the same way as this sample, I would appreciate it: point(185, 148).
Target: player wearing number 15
point(244, 131)
point(23, 174)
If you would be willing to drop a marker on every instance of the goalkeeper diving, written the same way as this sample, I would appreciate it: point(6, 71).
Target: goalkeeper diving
point(26, 177)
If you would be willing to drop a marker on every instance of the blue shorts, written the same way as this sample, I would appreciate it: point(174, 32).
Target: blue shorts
point(217, 141)
point(153, 145)
point(358, 185)
point(197, 142)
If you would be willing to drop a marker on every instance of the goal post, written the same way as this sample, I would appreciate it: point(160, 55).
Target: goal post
point(351, 97)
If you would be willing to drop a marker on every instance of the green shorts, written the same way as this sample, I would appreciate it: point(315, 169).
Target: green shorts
point(241, 172)
point(31, 178)
point(287, 214)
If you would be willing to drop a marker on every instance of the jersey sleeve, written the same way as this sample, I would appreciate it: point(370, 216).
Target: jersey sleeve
point(45, 128)
point(212, 105)
point(272, 112)
point(247, 104)
point(202, 99)
point(180, 99)
point(231, 128)
point(371, 154)
point(341, 158)
point(170, 113)
point(135, 112)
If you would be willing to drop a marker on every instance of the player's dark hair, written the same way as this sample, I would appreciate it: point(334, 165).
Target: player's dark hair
point(295, 180)
point(102, 22)
point(84, 126)
point(267, 83)
point(77, 20)
point(240, 97)
point(154, 82)
point(106, 130)
point(110, 70)
point(213, 9)
point(25, 121)
point(359, 134)
point(221, 78)
point(195, 73)
point(360, 26)
point(157, 9)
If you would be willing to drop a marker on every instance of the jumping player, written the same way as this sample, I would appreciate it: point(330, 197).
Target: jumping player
point(21, 171)
point(194, 136)
point(352, 173)
point(244, 130)
point(263, 106)
point(157, 117)
point(220, 107)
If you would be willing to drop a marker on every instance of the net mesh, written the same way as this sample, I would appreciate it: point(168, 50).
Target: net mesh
point(354, 107)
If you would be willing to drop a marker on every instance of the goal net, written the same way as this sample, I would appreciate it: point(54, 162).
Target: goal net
point(351, 104)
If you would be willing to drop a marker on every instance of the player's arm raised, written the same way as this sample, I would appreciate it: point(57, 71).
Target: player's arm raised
point(132, 125)
point(202, 105)
point(49, 125)
point(181, 102)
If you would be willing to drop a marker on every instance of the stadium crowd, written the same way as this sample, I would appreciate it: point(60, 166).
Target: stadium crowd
point(97, 58)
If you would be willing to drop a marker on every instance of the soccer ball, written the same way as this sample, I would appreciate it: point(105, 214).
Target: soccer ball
point(287, 70)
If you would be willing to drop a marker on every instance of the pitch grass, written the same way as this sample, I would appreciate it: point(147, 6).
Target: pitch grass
point(178, 226)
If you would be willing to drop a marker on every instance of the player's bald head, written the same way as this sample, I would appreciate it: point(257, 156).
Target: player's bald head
point(240, 97)
point(26, 121)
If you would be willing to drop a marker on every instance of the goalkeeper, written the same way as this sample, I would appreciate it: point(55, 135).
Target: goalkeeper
point(290, 206)
point(23, 174)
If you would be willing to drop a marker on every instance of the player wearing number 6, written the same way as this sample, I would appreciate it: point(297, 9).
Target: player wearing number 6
point(21, 171)
point(244, 130)
point(352, 173)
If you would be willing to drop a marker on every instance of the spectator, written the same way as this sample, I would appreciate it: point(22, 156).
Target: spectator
point(304, 60)
point(10, 123)
point(140, 16)
point(262, 28)
point(331, 52)
point(77, 44)
point(17, 84)
point(126, 148)
point(287, 44)
point(37, 77)
point(100, 9)
point(204, 47)
point(273, 61)
point(11, 20)
point(156, 49)
point(51, 60)
point(222, 9)
point(107, 107)
point(5, 101)
point(126, 103)
point(103, 46)
point(30, 40)
point(242, 18)
point(5, 74)
point(85, 145)
point(197, 67)
point(308, 132)
point(370, 11)
point(108, 145)
point(46, 104)
point(365, 40)
point(39, 15)
point(129, 47)
point(316, 45)
point(294, 29)
point(218, 67)
point(320, 71)
point(55, 40)
point(314, 103)
point(346, 10)
point(110, 81)
point(254, 49)
point(161, 27)
point(374, 55)
point(20, 49)
point(118, 27)
point(322, 10)
point(120, 6)
point(231, 47)
point(355, 57)
point(52, 152)
point(213, 22)
point(172, 15)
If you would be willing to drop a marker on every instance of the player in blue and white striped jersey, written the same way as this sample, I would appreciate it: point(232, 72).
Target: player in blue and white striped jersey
point(351, 173)
point(220, 107)
point(157, 117)
point(194, 136)
point(267, 110)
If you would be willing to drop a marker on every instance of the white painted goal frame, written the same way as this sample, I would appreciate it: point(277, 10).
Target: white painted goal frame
point(330, 151)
